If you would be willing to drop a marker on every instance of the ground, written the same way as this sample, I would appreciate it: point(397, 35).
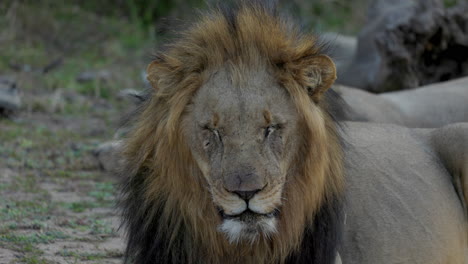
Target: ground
point(57, 204)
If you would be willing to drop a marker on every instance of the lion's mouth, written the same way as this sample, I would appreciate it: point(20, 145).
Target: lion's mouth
point(249, 215)
point(248, 225)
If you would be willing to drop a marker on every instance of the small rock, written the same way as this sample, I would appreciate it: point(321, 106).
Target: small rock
point(109, 155)
point(88, 76)
point(10, 100)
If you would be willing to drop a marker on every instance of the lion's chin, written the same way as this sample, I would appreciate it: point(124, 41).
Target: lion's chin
point(248, 227)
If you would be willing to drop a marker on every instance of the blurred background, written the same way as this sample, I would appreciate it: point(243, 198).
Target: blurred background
point(64, 39)
point(69, 70)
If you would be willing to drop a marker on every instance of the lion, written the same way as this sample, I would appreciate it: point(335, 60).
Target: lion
point(238, 156)
point(434, 105)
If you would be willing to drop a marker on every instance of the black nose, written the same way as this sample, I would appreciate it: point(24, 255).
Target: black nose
point(246, 195)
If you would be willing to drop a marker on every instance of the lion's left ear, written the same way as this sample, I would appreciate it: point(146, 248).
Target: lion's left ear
point(317, 74)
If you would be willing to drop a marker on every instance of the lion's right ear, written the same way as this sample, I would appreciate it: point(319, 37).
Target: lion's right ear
point(318, 75)
point(153, 72)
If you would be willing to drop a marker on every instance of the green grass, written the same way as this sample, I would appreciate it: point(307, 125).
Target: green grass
point(62, 176)
point(23, 210)
point(37, 238)
point(450, 3)
point(102, 228)
point(80, 206)
point(26, 145)
point(34, 260)
point(26, 183)
point(104, 191)
point(82, 40)
point(89, 256)
point(33, 225)
point(26, 244)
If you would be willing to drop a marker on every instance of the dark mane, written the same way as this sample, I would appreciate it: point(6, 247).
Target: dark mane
point(157, 231)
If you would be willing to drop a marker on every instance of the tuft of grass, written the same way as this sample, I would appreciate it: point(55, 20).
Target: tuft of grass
point(450, 3)
point(27, 183)
point(23, 210)
point(31, 239)
point(79, 39)
point(102, 228)
point(33, 225)
point(65, 175)
point(103, 191)
point(33, 260)
point(81, 206)
point(86, 256)
point(26, 244)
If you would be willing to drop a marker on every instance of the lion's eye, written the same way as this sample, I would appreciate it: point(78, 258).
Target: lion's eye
point(270, 129)
point(212, 132)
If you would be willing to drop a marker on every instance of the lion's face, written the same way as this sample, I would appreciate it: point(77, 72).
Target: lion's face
point(242, 134)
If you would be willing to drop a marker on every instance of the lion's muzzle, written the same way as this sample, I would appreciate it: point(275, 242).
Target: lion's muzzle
point(248, 207)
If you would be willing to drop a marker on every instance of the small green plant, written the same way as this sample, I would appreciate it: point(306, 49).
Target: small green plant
point(102, 228)
point(103, 191)
point(450, 3)
point(33, 260)
point(80, 206)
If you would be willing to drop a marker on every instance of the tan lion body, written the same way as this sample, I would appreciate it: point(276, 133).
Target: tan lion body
point(402, 204)
point(235, 158)
point(429, 106)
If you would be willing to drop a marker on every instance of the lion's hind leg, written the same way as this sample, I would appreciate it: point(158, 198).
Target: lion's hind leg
point(451, 144)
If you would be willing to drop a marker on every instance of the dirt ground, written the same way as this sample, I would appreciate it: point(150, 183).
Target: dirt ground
point(57, 205)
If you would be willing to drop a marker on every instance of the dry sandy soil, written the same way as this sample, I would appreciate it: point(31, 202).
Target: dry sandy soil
point(57, 204)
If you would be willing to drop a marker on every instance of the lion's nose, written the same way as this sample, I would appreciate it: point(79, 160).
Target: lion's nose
point(244, 183)
point(247, 195)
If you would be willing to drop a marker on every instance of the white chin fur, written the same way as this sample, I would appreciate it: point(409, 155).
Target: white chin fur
point(237, 231)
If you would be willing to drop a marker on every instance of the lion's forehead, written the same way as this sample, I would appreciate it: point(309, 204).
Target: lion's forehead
point(242, 102)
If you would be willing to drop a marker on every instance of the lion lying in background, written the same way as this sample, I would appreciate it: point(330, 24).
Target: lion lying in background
point(236, 158)
point(433, 105)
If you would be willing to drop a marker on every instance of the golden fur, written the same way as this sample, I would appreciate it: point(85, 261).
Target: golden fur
point(172, 179)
